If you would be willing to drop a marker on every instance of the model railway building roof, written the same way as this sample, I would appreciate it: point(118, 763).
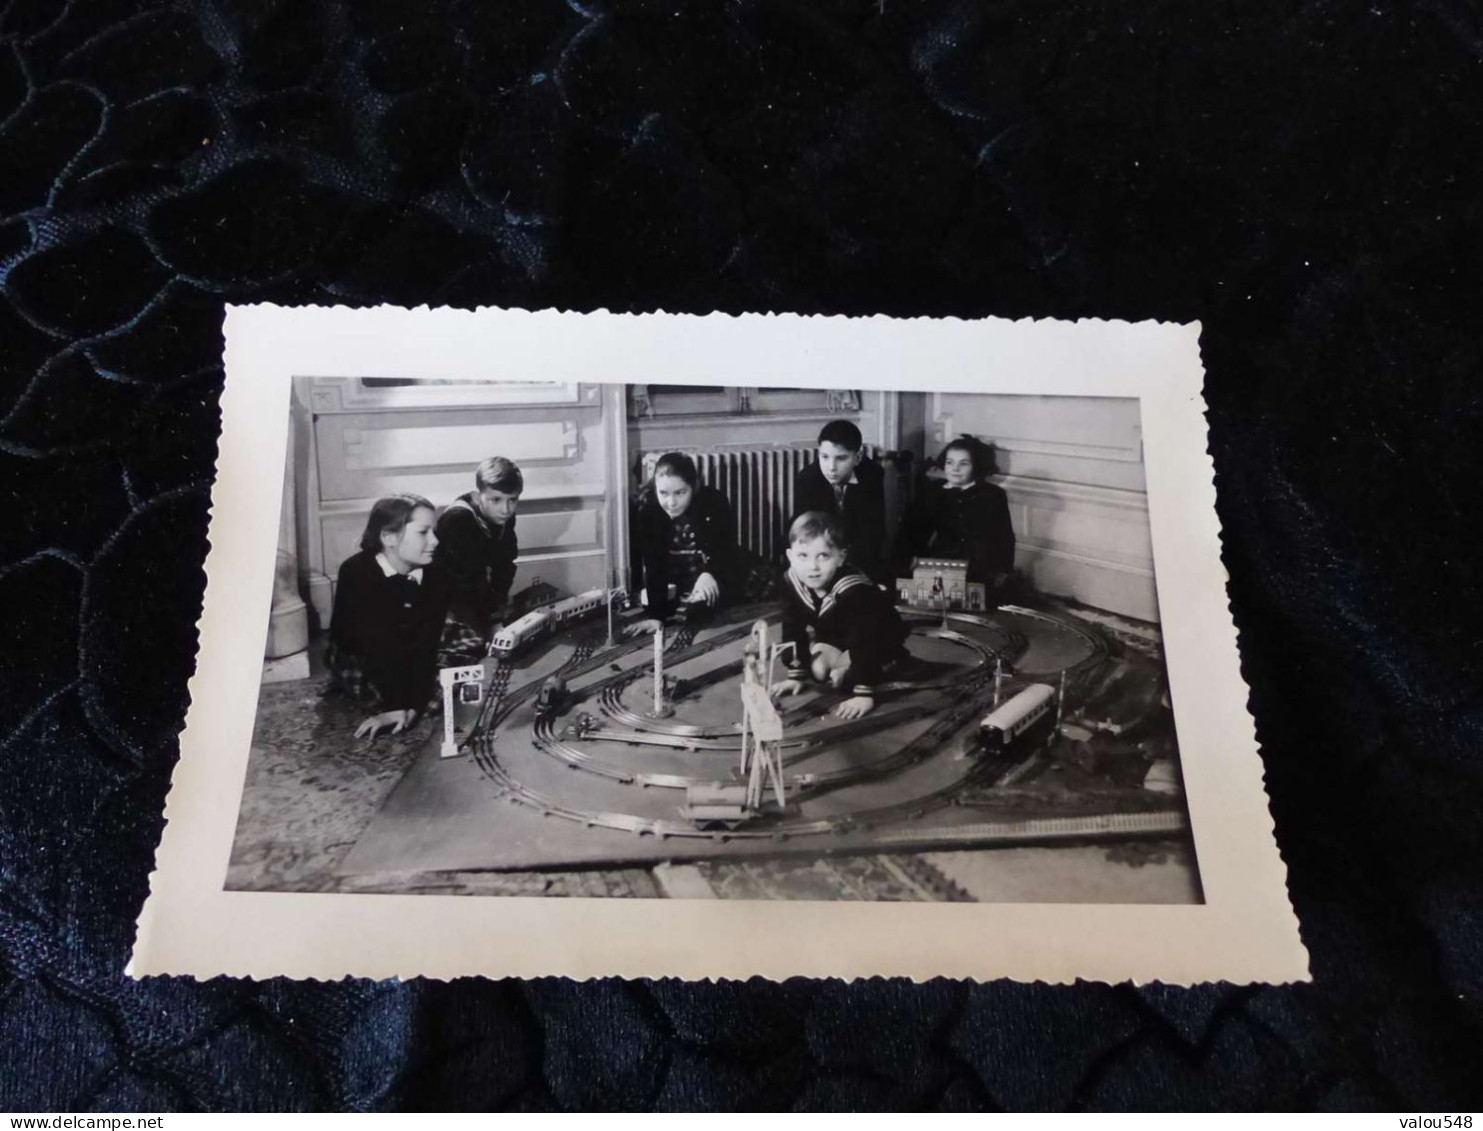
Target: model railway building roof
point(936, 579)
point(951, 569)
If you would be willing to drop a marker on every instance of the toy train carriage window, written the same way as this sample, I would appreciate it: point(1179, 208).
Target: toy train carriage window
point(1019, 728)
point(1015, 717)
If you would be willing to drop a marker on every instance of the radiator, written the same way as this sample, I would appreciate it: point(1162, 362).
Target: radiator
point(759, 484)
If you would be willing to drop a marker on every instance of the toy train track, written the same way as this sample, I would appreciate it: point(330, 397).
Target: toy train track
point(548, 741)
point(956, 711)
point(1095, 642)
point(922, 746)
point(493, 711)
point(984, 656)
point(1099, 826)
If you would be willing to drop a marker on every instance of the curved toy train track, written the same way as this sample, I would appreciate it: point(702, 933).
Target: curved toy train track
point(963, 699)
point(779, 829)
point(584, 659)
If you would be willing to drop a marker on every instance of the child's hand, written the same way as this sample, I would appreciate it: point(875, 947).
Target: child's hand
point(855, 708)
point(645, 627)
point(786, 687)
point(392, 721)
point(705, 591)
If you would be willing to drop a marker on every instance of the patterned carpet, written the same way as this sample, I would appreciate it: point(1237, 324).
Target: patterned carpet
point(312, 787)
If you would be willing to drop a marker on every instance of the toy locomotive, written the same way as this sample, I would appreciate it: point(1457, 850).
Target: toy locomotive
point(552, 618)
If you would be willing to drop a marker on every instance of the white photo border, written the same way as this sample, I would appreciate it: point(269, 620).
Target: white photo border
point(1245, 931)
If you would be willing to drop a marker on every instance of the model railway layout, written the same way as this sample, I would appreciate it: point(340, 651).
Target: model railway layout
point(585, 732)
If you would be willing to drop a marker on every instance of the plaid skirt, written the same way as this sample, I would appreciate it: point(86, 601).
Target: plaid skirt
point(461, 644)
point(349, 678)
point(757, 577)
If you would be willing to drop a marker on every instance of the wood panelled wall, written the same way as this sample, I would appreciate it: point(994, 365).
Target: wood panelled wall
point(876, 418)
point(1073, 468)
point(356, 453)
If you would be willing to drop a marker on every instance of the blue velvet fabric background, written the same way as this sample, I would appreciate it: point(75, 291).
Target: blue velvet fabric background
point(1302, 178)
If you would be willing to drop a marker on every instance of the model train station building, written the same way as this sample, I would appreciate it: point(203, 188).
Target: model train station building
point(934, 581)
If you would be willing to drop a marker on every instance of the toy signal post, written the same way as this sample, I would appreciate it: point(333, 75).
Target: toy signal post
point(468, 683)
point(762, 726)
point(732, 804)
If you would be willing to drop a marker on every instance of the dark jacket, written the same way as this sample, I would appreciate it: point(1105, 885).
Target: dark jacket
point(391, 626)
point(715, 538)
point(854, 616)
point(971, 524)
point(478, 558)
point(864, 513)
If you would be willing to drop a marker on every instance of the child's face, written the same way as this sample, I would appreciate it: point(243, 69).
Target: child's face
point(815, 562)
point(414, 546)
point(837, 463)
point(674, 494)
point(498, 507)
point(957, 466)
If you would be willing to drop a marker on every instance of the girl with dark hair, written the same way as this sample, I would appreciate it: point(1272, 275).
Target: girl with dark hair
point(685, 541)
point(390, 600)
point(960, 515)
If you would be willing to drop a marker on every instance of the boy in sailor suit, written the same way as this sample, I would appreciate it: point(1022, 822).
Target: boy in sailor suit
point(844, 630)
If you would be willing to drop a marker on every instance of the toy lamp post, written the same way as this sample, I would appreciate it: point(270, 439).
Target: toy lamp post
point(608, 578)
point(662, 708)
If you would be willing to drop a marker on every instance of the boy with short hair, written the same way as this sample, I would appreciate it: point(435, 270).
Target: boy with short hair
point(477, 548)
point(842, 482)
point(844, 630)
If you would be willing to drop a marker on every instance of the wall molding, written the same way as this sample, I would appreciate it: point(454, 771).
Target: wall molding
point(1083, 555)
point(438, 444)
point(331, 395)
point(1085, 494)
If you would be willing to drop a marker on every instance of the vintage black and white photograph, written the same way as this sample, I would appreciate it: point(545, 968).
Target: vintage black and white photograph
point(656, 640)
point(587, 644)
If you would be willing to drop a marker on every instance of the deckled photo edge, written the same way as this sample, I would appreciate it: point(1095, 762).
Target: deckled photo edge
point(266, 347)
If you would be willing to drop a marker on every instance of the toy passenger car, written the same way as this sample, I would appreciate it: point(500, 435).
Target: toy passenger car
point(1031, 710)
point(552, 618)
